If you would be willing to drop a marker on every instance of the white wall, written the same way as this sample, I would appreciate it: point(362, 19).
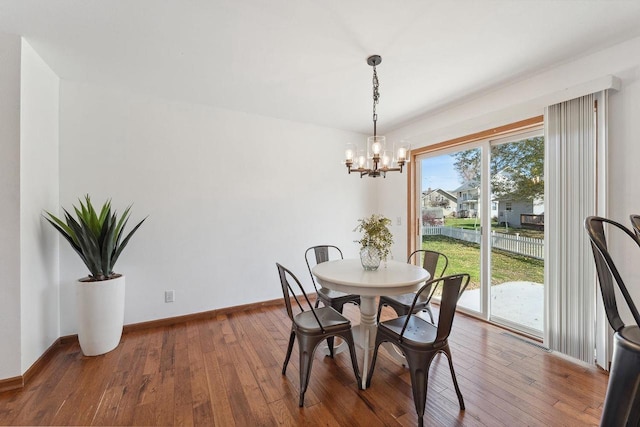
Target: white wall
point(39, 261)
point(624, 152)
point(10, 206)
point(391, 201)
point(527, 98)
point(228, 194)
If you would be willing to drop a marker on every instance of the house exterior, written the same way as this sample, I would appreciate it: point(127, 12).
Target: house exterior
point(509, 211)
point(441, 199)
point(506, 210)
point(509, 207)
point(467, 199)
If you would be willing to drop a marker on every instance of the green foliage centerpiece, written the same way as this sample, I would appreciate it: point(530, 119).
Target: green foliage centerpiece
point(375, 244)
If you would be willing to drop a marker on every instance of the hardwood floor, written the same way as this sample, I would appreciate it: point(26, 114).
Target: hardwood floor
point(226, 371)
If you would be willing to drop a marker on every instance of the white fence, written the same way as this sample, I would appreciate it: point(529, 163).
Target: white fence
point(526, 246)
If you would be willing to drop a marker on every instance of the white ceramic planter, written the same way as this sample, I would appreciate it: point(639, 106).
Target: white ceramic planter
point(100, 307)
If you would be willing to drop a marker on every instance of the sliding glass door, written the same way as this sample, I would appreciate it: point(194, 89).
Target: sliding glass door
point(482, 205)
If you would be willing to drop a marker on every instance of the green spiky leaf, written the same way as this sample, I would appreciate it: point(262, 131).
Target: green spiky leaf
point(96, 238)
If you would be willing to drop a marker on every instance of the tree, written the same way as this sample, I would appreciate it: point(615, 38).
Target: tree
point(517, 168)
point(467, 164)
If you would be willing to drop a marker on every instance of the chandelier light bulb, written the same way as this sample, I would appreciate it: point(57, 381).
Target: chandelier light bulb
point(348, 154)
point(386, 161)
point(376, 148)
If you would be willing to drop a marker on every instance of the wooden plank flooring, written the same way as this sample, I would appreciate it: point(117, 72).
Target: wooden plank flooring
point(226, 371)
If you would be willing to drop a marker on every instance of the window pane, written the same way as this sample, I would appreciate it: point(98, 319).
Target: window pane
point(450, 215)
point(517, 234)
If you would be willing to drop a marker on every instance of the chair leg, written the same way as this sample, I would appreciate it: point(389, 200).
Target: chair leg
point(330, 341)
point(428, 310)
point(306, 346)
point(447, 351)
point(379, 312)
point(419, 368)
point(348, 338)
point(379, 340)
point(292, 338)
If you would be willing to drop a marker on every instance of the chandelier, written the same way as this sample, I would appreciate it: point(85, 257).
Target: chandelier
point(376, 159)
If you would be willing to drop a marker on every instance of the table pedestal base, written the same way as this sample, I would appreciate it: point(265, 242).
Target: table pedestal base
point(364, 336)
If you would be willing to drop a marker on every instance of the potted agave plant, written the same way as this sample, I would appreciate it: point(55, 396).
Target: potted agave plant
point(99, 240)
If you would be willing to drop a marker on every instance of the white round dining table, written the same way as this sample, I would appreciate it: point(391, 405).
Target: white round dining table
point(391, 278)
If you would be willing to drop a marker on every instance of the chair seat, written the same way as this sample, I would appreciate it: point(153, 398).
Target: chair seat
point(405, 299)
point(631, 337)
point(329, 294)
point(419, 332)
point(330, 319)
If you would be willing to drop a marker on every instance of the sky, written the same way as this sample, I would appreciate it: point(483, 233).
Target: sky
point(438, 172)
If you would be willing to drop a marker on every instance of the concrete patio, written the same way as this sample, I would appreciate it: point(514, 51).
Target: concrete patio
point(518, 302)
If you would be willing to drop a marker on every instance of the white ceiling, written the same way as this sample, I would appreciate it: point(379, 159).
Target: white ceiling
point(305, 60)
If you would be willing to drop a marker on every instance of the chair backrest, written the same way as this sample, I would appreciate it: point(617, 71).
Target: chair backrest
point(321, 253)
point(607, 270)
point(430, 260)
point(635, 223)
point(452, 287)
point(289, 292)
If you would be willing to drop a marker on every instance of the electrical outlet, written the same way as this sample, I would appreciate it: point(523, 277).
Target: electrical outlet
point(398, 220)
point(169, 296)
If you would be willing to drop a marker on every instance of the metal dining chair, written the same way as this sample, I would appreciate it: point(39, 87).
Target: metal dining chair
point(436, 264)
point(311, 326)
point(622, 401)
point(329, 297)
point(420, 340)
point(635, 224)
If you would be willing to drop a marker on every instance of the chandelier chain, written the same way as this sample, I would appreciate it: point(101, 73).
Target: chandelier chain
point(376, 98)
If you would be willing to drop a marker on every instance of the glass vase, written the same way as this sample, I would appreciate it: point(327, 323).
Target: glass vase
point(370, 258)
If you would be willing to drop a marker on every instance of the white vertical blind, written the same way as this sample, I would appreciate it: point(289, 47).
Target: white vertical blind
point(571, 153)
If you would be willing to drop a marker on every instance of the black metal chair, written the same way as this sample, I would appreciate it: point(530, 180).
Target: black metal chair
point(329, 297)
point(622, 402)
point(436, 264)
point(420, 340)
point(635, 223)
point(312, 326)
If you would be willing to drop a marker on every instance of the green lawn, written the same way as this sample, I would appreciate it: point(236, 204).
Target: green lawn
point(466, 223)
point(474, 224)
point(464, 257)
